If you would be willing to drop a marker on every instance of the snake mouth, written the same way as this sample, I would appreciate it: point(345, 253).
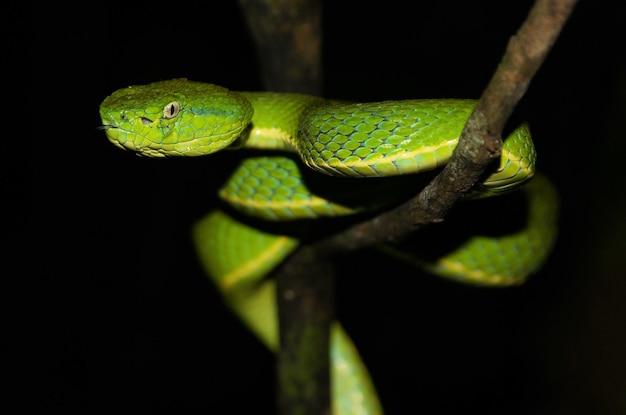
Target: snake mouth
point(111, 131)
point(128, 140)
point(143, 145)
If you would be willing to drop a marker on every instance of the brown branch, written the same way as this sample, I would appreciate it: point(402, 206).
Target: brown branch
point(288, 37)
point(305, 290)
point(288, 40)
point(480, 142)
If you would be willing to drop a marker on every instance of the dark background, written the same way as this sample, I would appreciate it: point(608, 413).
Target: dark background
point(106, 309)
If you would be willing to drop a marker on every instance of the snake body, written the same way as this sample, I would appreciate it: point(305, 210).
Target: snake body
point(285, 132)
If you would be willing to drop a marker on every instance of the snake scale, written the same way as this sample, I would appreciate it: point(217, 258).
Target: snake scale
point(301, 157)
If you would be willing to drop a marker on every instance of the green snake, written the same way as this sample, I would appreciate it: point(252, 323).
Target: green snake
point(278, 134)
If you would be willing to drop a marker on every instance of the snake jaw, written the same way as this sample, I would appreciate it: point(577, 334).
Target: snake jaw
point(125, 140)
point(143, 145)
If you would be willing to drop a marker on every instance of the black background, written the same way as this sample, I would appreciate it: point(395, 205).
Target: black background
point(106, 309)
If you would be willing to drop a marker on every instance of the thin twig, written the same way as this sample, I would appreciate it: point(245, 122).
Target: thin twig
point(480, 142)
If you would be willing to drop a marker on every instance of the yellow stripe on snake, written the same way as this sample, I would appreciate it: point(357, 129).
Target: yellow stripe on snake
point(280, 133)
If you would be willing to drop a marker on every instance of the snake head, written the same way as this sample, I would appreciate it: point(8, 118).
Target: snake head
point(175, 117)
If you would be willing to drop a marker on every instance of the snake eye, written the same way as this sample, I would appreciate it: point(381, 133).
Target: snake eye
point(171, 110)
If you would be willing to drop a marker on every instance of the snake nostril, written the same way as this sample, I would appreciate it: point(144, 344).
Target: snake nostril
point(145, 120)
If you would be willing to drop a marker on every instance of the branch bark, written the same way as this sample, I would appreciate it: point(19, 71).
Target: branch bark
point(288, 38)
point(480, 142)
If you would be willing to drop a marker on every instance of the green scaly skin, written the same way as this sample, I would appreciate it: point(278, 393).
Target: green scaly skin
point(379, 140)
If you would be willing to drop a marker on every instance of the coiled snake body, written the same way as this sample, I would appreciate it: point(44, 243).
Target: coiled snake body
point(286, 131)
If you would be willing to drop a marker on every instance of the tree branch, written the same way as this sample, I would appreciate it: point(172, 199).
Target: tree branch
point(288, 37)
point(288, 40)
point(480, 142)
